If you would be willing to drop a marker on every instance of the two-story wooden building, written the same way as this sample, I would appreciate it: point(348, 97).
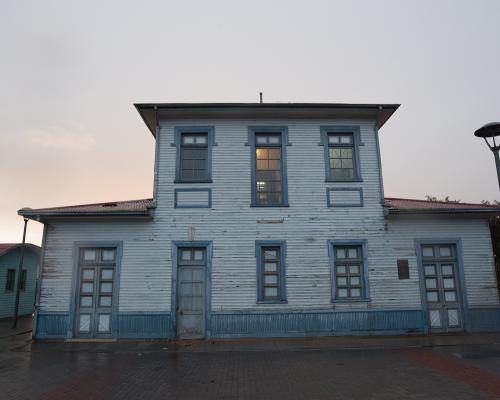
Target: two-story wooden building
point(266, 220)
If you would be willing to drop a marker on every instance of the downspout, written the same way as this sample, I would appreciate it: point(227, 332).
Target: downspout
point(379, 162)
point(157, 158)
point(39, 280)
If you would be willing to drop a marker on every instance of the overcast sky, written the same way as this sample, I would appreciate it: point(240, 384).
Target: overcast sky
point(70, 71)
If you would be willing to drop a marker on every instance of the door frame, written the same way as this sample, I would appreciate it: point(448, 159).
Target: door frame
point(75, 282)
point(206, 244)
point(462, 296)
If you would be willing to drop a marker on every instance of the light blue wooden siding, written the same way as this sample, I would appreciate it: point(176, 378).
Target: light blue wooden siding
point(27, 297)
point(233, 227)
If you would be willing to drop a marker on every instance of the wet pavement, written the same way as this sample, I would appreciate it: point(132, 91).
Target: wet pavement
point(440, 367)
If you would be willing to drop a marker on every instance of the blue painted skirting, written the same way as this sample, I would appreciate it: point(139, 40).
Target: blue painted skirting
point(51, 326)
point(321, 323)
point(144, 326)
point(485, 319)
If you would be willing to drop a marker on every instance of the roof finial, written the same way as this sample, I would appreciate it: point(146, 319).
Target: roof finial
point(260, 95)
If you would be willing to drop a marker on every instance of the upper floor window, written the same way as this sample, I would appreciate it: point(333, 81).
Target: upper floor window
point(341, 153)
point(349, 271)
point(194, 158)
point(269, 186)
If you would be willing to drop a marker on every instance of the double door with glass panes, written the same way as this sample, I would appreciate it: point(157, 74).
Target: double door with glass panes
point(96, 281)
point(442, 292)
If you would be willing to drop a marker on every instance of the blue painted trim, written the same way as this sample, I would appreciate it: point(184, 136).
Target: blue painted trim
point(356, 133)
point(347, 189)
point(461, 278)
point(178, 131)
point(38, 291)
point(282, 272)
point(316, 323)
point(333, 283)
point(283, 130)
point(52, 325)
point(144, 325)
point(74, 286)
point(157, 160)
point(208, 205)
point(208, 282)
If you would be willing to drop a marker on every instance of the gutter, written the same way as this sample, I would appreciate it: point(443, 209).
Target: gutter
point(39, 216)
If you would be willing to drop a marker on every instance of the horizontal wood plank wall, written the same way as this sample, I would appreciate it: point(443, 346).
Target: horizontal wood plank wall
point(233, 226)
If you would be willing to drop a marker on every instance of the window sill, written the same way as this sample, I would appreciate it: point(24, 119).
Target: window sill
point(272, 302)
point(269, 206)
point(347, 301)
point(330, 180)
point(204, 181)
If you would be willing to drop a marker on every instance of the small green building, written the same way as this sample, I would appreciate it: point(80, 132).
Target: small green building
point(9, 265)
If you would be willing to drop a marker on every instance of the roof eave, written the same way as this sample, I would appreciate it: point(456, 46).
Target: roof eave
point(52, 215)
point(448, 211)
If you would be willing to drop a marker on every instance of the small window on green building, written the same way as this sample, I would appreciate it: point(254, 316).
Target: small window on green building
point(10, 280)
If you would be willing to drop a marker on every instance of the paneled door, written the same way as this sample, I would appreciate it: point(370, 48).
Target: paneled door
point(192, 265)
point(442, 289)
point(96, 281)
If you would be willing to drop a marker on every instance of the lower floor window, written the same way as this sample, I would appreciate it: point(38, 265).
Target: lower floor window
point(348, 272)
point(271, 271)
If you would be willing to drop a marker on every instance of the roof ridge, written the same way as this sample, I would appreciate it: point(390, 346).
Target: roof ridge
point(441, 202)
point(89, 204)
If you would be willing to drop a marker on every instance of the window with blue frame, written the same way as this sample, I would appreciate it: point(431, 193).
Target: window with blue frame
point(341, 153)
point(349, 271)
point(269, 184)
point(194, 154)
point(270, 257)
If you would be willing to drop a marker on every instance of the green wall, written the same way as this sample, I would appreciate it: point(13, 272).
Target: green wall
point(27, 297)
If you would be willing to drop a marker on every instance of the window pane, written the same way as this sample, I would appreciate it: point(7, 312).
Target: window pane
point(435, 318)
point(427, 251)
point(261, 139)
point(201, 139)
point(432, 296)
point(271, 292)
point(103, 323)
point(108, 255)
point(186, 255)
point(342, 292)
point(445, 251)
point(105, 301)
point(106, 287)
point(355, 280)
point(449, 283)
point(341, 269)
point(341, 253)
point(84, 323)
point(345, 153)
point(346, 139)
point(453, 318)
point(106, 274)
point(198, 255)
point(354, 269)
point(270, 279)
point(355, 292)
point(450, 296)
point(341, 281)
point(333, 139)
point(88, 287)
point(86, 301)
point(431, 283)
point(187, 139)
point(89, 255)
point(447, 269)
point(270, 254)
point(274, 139)
point(270, 267)
point(88, 274)
point(430, 269)
point(353, 253)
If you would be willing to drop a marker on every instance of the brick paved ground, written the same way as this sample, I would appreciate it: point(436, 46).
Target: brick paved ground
point(294, 371)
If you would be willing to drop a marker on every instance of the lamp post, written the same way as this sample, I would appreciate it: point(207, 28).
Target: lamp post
point(490, 131)
point(19, 275)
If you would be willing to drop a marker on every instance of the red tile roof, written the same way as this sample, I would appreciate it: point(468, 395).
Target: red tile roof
point(128, 207)
point(436, 206)
point(143, 207)
point(7, 247)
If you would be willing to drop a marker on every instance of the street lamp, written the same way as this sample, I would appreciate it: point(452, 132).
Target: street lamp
point(490, 131)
